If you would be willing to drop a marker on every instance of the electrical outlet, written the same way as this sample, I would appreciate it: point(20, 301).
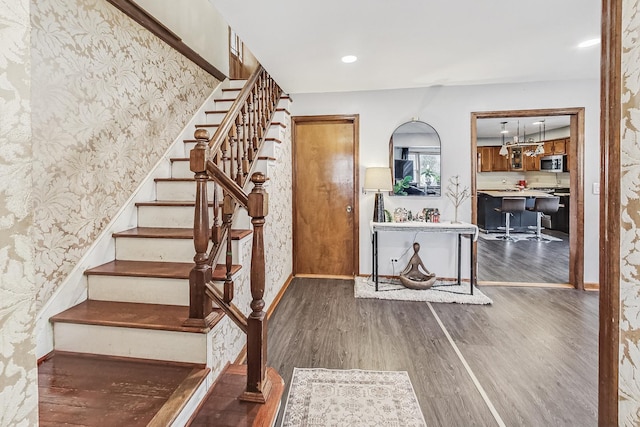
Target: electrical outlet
point(596, 188)
point(394, 260)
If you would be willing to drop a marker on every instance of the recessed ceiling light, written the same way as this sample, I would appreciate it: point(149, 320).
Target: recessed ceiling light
point(589, 43)
point(539, 122)
point(349, 59)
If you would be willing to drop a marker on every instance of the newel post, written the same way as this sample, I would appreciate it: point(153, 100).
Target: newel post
point(199, 303)
point(258, 386)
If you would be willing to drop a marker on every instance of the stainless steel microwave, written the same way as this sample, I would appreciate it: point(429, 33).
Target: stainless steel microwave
point(554, 163)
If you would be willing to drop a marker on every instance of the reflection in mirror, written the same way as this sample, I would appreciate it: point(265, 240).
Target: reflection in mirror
point(414, 151)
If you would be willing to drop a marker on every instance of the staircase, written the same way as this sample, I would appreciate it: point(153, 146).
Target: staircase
point(140, 308)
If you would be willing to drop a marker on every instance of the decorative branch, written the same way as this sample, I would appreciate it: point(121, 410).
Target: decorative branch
point(457, 196)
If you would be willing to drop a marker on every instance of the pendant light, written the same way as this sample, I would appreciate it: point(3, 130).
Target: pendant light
point(503, 150)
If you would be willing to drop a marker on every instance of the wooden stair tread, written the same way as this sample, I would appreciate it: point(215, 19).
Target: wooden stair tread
point(172, 233)
point(173, 203)
point(83, 389)
point(238, 234)
point(216, 111)
point(131, 315)
point(157, 233)
point(158, 269)
point(223, 408)
point(174, 179)
point(208, 125)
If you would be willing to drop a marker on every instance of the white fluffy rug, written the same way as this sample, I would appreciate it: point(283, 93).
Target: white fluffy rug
point(351, 398)
point(518, 237)
point(451, 293)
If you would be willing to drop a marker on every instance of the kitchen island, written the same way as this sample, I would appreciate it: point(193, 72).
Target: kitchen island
point(489, 219)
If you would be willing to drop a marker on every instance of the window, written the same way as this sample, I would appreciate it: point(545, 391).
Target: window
point(235, 44)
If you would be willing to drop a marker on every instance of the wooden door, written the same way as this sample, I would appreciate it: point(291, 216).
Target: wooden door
point(325, 203)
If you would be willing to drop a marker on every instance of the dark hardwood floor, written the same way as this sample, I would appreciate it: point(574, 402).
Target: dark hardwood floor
point(534, 351)
point(524, 261)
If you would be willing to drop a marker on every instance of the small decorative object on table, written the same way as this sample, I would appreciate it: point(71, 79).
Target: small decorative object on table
point(400, 215)
point(456, 195)
point(411, 277)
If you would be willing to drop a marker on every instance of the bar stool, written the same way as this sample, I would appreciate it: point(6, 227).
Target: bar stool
point(510, 205)
point(543, 205)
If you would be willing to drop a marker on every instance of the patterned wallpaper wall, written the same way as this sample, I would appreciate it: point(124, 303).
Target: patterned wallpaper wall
point(108, 99)
point(629, 375)
point(18, 372)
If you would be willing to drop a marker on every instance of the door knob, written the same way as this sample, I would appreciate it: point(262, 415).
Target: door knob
point(349, 208)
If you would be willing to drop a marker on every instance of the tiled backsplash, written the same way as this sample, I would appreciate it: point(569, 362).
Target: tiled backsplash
point(504, 180)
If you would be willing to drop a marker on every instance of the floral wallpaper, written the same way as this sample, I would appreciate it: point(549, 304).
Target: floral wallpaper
point(108, 100)
point(629, 373)
point(18, 371)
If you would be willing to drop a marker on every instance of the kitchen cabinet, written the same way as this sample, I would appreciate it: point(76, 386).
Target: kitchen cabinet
point(515, 159)
point(555, 146)
point(485, 155)
point(489, 219)
point(532, 163)
point(499, 163)
point(560, 219)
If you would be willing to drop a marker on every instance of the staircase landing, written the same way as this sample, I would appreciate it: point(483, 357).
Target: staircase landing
point(90, 390)
point(223, 408)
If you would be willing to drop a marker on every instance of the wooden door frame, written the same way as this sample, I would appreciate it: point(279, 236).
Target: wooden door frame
point(576, 179)
point(610, 123)
point(353, 119)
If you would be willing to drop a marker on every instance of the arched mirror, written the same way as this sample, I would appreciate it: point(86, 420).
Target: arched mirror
point(414, 152)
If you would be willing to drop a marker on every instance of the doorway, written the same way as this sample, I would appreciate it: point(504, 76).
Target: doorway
point(576, 184)
point(325, 196)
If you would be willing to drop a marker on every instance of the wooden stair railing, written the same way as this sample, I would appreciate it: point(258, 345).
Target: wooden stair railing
point(227, 159)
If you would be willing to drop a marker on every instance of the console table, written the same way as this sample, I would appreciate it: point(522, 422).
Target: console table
point(461, 229)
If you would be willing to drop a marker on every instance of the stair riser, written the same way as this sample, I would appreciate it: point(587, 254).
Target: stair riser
point(215, 117)
point(167, 216)
point(154, 249)
point(131, 342)
point(180, 169)
point(236, 84)
point(226, 104)
point(150, 290)
point(179, 190)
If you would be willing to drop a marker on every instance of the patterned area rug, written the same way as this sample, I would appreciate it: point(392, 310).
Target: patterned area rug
point(441, 291)
point(351, 398)
point(518, 237)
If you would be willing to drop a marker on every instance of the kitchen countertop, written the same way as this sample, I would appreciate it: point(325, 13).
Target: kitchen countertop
point(517, 193)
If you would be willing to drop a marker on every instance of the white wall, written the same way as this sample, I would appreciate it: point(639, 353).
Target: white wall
point(448, 109)
point(199, 25)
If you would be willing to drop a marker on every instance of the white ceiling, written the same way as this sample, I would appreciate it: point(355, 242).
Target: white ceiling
point(416, 43)
point(490, 128)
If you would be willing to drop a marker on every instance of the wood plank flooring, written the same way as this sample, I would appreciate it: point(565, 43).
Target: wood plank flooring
point(524, 261)
point(534, 351)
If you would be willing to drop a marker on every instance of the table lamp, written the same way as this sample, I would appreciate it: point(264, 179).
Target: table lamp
point(378, 179)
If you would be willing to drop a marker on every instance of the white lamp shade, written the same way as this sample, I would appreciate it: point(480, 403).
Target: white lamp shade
point(378, 179)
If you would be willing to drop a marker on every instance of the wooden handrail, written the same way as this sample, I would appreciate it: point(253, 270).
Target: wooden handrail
point(227, 184)
point(229, 120)
point(227, 160)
